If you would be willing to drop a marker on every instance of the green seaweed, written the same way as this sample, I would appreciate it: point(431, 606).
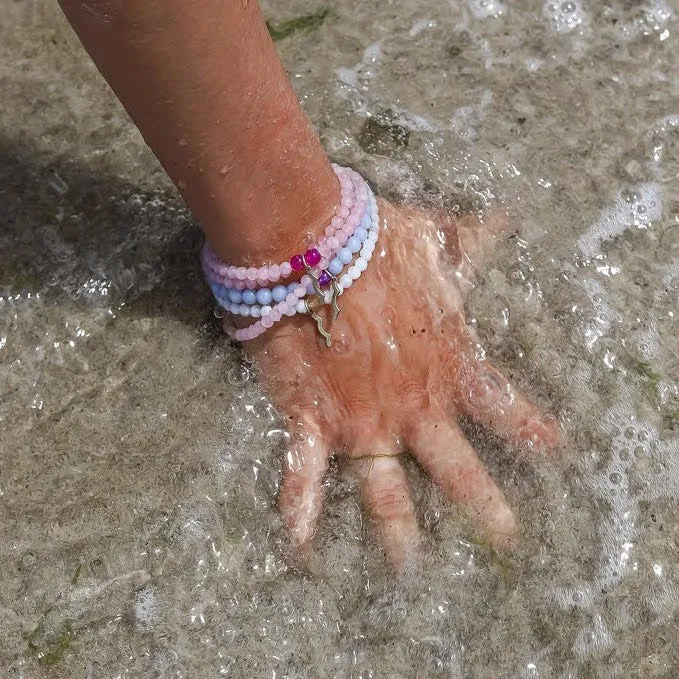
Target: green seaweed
point(76, 575)
point(306, 22)
point(50, 648)
point(645, 370)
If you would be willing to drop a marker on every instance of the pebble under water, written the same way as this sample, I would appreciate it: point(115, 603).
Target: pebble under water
point(139, 457)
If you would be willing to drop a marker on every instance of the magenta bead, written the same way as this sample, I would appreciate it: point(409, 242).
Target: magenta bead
point(297, 262)
point(312, 257)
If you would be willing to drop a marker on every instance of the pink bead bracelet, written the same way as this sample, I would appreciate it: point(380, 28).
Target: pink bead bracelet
point(353, 202)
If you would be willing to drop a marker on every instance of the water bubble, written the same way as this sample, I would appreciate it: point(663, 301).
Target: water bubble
point(630, 196)
point(431, 518)
point(238, 375)
point(28, 560)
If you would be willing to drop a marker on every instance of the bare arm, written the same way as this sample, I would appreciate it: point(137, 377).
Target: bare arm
point(202, 81)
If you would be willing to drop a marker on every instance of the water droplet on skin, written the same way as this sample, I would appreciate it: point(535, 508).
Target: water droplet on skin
point(568, 7)
point(615, 478)
point(238, 375)
point(630, 432)
point(624, 454)
point(639, 451)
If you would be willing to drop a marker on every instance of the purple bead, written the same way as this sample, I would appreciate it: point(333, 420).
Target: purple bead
point(324, 279)
point(312, 257)
point(297, 262)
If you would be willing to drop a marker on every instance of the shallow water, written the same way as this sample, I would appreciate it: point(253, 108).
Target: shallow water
point(139, 457)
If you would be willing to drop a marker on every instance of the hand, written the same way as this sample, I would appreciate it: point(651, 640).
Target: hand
point(403, 364)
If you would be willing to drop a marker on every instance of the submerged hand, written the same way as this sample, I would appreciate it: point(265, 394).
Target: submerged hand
point(403, 364)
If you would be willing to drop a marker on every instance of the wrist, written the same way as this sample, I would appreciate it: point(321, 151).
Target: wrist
point(273, 196)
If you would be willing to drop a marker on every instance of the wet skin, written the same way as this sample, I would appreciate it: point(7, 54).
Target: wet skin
point(402, 368)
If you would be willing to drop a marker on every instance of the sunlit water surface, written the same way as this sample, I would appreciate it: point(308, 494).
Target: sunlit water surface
point(140, 458)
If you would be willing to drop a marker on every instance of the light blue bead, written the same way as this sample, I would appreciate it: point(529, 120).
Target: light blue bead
point(344, 255)
point(354, 244)
point(264, 296)
point(366, 222)
point(279, 293)
point(291, 288)
point(361, 233)
point(235, 296)
point(335, 267)
point(249, 296)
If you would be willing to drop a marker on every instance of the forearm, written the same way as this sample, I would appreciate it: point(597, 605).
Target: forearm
point(202, 81)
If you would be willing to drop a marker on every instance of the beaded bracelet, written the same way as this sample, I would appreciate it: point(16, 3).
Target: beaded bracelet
point(353, 230)
point(344, 222)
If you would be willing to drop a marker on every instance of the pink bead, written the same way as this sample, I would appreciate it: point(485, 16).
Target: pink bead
point(274, 273)
point(305, 281)
point(239, 285)
point(324, 250)
point(267, 321)
point(283, 307)
point(323, 264)
point(330, 229)
point(263, 273)
point(333, 243)
point(251, 274)
point(336, 222)
point(300, 291)
point(312, 257)
point(240, 273)
point(297, 262)
point(286, 269)
point(250, 285)
point(343, 212)
point(290, 299)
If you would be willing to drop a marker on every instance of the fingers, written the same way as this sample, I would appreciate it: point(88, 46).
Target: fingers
point(301, 496)
point(486, 396)
point(451, 462)
point(386, 496)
